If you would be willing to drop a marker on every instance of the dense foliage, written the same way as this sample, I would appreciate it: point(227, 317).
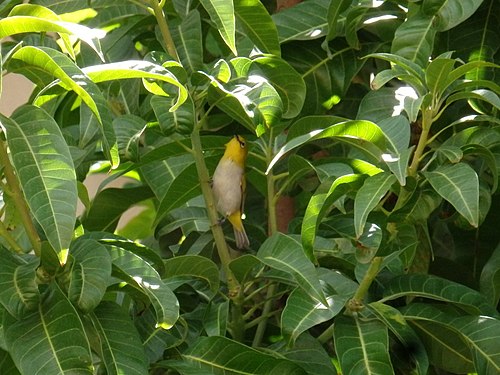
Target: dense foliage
point(372, 205)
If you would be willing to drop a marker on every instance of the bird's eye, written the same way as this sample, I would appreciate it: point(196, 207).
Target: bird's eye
point(242, 143)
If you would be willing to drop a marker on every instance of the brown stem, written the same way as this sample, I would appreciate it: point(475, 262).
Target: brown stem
point(14, 190)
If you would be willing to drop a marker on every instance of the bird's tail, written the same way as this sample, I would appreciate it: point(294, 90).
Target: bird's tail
point(240, 235)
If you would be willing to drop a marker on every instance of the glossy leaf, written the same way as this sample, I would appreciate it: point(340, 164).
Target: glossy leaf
point(20, 24)
point(72, 78)
point(258, 25)
point(180, 121)
point(334, 11)
point(302, 21)
point(186, 267)
point(216, 319)
point(218, 355)
point(320, 203)
point(90, 275)
point(362, 346)
point(45, 170)
point(221, 13)
point(140, 275)
point(289, 84)
point(137, 69)
point(449, 14)
point(347, 131)
point(120, 345)
point(414, 39)
point(53, 346)
point(302, 312)
point(285, 254)
point(369, 196)
point(459, 185)
point(188, 40)
point(480, 332)
point(440, 289)
point(183, 188)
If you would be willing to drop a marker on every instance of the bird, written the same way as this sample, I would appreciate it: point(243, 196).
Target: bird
point(228, 186)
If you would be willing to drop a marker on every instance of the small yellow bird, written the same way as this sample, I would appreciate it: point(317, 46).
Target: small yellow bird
point(229, 186)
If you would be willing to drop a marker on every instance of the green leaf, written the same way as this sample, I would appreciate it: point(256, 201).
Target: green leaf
point(481, 333)
point(309, 354)
point(258, 25)
point(320, 204)
point(304, 21)
point(414, 70)
point(180, 121)
point(40, 344)
point(184, 187)
point(220, 355)
point(188, 41)
point(445, 347)
point(21, 24)
point(487, 96)
point(128, 130)
point(437, 75)
point(189, 267)
point(362, 346)
point(370, 136)
point(7, 365)
point(397, 324)
point(334, 11)
point(156, 340)
point(138, 69)
point(489, 281)
point(140, 275)
point(459, 185)
point(43, 13)
point(216, 319)
point(285, 254)
point(303, 312)
point(72, 78)
point(414, 39)
point(45, 170)
point(19, 291)
point(90, 275)
point(244, 267)
point(379, 105)
point(133, 247)
point(369, 196)
point(221, 13)
point(449, 14)
point(289, 84)
point(434, 287)
point(121, 348)
point(234, 101)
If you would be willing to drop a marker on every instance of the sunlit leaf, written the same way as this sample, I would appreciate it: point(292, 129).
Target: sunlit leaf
point(221, 13)
point(259, 26)
point(369, 196)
